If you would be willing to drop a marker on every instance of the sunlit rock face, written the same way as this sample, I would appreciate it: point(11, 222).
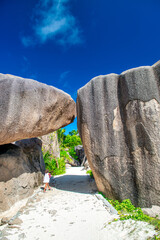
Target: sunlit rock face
point(119, 123)
point(21, 171)
point(50, 144)
point(30, 109)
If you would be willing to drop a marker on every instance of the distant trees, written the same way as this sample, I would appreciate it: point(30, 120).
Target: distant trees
point(70, 140)
point(67, 143)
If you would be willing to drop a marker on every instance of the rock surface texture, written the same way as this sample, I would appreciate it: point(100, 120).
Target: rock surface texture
point(31, 109)
point(119, 123)
point(80, 154)
point(21, 168)
point(50, 143)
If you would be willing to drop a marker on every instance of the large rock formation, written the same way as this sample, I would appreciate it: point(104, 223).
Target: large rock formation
point(21, 168)
point(31, 109)
point(119, 123)
point(50, 143)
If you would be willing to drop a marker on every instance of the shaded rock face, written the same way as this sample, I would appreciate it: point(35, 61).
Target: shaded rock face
point(50, 143)
point(31, 109)
point(21, 168)
point(80, 154)
point(71, 161)
point(119, 122)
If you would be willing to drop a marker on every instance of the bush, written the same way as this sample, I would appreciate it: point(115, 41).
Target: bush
point(72, 152)
point(127, 210)
point(68, 141)
point(90, 173)
point(72, 141)
point(63, 154)
point(56, 166)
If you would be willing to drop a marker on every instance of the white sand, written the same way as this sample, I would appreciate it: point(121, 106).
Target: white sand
point(71, 211)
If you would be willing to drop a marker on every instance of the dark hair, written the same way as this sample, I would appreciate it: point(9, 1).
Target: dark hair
point(46, 171)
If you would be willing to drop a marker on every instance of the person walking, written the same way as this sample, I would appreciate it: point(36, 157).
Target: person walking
point(46, 180)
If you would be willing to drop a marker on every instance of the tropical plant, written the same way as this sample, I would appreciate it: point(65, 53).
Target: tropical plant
point(127, 210)
point(67, 144)
point(90, 173)
point(61, 135)
point(72, 153)
point(51, 164)
point(72, 141)
point(73, 132)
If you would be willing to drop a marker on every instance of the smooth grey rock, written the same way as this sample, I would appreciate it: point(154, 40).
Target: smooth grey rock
point(32, 147)
point(152, 212)
point(112, 210)
point(30, 109)
point(71, 161)
point(50, 143)
point(138, 84)
point(21, 168)
point(156, 68)
point(119, 122)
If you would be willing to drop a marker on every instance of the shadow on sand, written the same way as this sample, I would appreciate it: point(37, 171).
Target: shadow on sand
point(74, 183)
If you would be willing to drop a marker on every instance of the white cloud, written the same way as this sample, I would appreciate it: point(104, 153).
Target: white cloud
point(53, 20)
point(66, 84)
point(63, 79)
point(63, 76)
point(27, 41)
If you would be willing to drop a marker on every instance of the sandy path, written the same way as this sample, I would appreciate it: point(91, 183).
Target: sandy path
point(71, 211)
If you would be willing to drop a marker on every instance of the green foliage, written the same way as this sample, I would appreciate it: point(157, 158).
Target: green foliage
point(90, 173)
point(68, 141)
point(61, 135)
point(72, 141)
point(73, 132)
point(46, 156)
point(125, 205)
point(55, 166)
point(52, 136)
point(155, 237)
point(127, 210)
point(73, 153)
point(64, 155)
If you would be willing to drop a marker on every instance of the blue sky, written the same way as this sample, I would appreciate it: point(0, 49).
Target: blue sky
point(65, 43)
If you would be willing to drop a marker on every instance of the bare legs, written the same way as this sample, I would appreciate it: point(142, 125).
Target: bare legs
point(47, 185)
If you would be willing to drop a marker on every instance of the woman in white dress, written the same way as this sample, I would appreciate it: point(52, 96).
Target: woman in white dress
point(46, 180)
